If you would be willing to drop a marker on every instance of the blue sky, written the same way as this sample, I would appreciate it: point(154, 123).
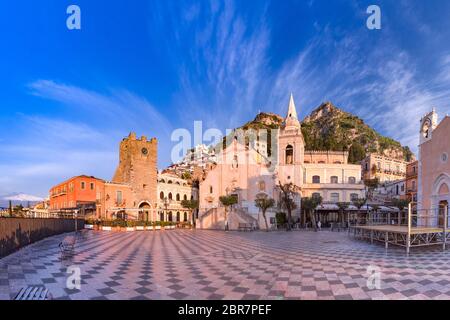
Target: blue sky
point(68, 97)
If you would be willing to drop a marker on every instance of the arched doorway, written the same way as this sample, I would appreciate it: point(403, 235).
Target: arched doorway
point(144, 211)
point(440, 198)
point(443, 211)
point(170, 217)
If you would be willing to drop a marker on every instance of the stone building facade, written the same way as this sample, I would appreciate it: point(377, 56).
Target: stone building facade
point(412, 170)
point(384, 168)
point(138, 169)
point(172, 190)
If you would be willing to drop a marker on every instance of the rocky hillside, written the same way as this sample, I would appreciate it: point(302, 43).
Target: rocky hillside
point(330, 128)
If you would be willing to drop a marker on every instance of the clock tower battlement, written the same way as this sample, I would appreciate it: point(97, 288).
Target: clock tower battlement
point(138, 168)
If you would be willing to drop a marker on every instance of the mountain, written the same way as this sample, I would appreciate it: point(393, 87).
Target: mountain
point(19, 198)
point(330, 128)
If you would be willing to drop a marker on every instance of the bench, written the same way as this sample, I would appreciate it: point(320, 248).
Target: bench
point(67, 246)
point(33, 293)
point(245, 227)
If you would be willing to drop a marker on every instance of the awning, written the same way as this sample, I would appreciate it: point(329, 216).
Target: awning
point(327, 207)
point(387, 209)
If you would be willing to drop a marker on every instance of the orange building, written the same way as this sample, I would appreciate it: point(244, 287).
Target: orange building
point(76, 193)
point(412, 170)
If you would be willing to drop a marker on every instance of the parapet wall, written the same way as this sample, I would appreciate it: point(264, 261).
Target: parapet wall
point(16, 233)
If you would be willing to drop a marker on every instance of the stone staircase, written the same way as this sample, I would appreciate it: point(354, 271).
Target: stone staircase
point(214, 219)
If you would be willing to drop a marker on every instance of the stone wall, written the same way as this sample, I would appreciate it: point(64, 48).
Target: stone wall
point(16, 233)
point(138, 168)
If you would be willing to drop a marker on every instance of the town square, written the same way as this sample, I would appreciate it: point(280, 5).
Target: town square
point(226, 151)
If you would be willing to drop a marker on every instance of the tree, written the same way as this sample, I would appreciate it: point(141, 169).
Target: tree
point(371, 185)
point(186, 176)
point(375, 209)
point(264, 203)
point(310, 205)
point(191, 205)
point(401, 204)
point(357, 152)
point(227, 201)
point(288, 192)
point(342, 207)
point(358, 203)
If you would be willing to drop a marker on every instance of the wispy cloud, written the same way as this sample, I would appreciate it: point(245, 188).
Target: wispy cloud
point(47, 149)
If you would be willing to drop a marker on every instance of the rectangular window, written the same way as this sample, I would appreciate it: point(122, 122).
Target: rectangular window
point(334, 197)
point(119, 196)
point(83, 185)
point(92, 186)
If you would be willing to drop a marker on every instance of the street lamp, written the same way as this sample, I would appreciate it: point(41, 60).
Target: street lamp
point(166, 204)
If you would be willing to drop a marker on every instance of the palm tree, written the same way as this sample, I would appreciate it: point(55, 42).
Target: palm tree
point(288, 191)
point(401, 204)
point(371, 185)
point(359, 203)
point(375, 209)
point(342, 207)
point(227, 201)
point(264, 203)
point(192, 205)
point(310, 205)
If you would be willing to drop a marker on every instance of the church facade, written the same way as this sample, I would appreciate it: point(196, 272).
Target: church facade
point(434, 167)
point(246, 173)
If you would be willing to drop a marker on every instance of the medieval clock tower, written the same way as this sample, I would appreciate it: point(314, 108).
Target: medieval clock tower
point(138, 168)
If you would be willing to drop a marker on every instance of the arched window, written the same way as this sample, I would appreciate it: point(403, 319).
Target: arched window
point(161, 216)
point(235, 162)
point(185, 197)
point(289, 155)
point(192, 197)
point(161, 195)
point(185, 217)
point(178, 217)
point(316, 179)
point(262, 186)
point(210, 189)
point(334, 179)
point(352, 180)
point(170, 195)
point(178, 197)
point(170, 216)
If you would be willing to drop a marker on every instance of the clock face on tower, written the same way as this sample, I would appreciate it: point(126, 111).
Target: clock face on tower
point(144, 151)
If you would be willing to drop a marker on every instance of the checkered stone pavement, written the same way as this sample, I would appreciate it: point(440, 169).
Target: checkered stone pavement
point(200, 264)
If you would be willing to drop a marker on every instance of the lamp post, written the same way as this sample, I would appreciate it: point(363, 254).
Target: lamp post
point(166, 204)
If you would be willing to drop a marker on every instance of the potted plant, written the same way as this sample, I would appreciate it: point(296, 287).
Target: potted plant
point(149, 226)
point(89, 224)
point(158, 225)
point(130, 226)
point(140, 226)
point(97, 224)
point(107, 226)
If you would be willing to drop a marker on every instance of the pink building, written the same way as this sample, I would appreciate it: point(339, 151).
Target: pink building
point(246, 173)
point(434, 164)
